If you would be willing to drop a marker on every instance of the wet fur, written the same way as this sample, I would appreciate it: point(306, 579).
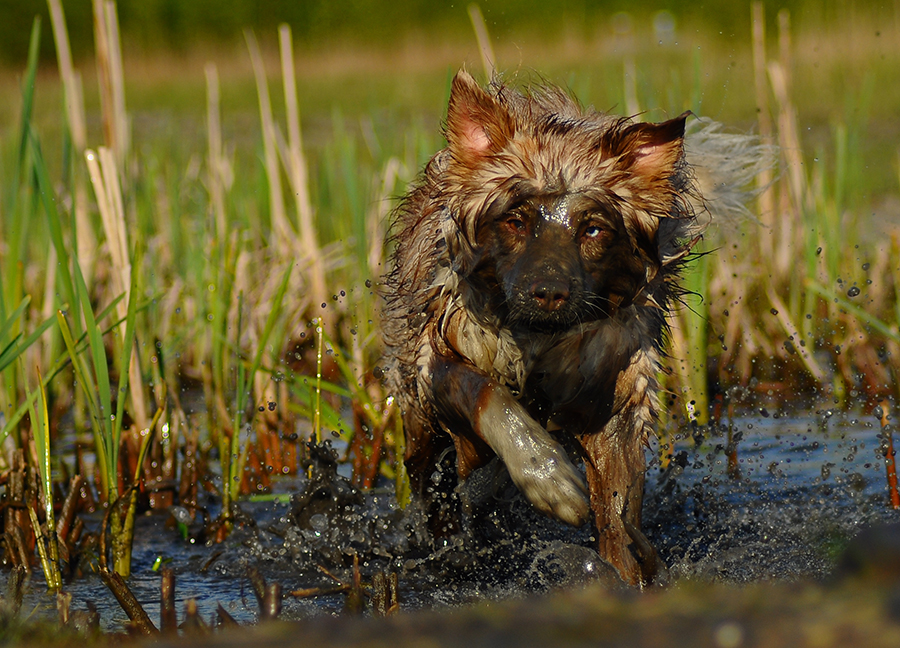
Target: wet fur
point(536, 260)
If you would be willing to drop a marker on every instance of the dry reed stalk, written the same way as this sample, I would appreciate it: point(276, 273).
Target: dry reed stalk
point(297, 173)
point(118, 80)
point(488, 60)
point(377, 218)
point(168, 617)
point(890, 458)
point(71, 85)
point(766, 201)
point(215, 162)
point(282, 233)
point(375, 236)
point(789, 222)
point(266, 389)
point(109, 73)
point(105, 180)
point(679, 352)
point(101, 53)
point(784, 43)
point(789, 139)
point(632, 105)
point(796, 336)
point(74, 97)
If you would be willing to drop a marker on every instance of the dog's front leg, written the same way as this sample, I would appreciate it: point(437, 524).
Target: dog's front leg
point(477, 410)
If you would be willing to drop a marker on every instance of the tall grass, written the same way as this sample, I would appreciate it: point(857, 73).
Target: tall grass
point(261, 257)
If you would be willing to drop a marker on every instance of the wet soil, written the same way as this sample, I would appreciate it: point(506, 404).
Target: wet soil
point(720, 616)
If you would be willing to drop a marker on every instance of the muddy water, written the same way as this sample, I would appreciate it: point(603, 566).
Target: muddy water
point(805, 486)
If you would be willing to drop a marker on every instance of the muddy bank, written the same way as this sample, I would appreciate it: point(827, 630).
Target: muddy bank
point(852, 613)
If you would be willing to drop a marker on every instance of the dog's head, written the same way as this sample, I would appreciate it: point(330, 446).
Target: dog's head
point(558, 208)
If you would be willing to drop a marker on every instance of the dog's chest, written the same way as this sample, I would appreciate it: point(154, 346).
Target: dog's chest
point(572, 376)
point(577, 368)
point(576, 377)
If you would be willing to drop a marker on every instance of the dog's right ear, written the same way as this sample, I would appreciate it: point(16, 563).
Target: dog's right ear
point(477, 125)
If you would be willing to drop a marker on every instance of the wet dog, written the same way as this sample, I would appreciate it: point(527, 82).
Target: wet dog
point(535, 264)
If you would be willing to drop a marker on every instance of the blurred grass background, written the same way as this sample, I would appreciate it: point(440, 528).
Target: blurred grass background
point(388, 63)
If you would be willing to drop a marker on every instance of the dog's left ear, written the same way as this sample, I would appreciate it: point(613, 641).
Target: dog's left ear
point(477, 125)
point(652, 150)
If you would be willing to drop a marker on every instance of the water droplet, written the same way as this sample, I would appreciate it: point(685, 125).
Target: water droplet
point(853, 292)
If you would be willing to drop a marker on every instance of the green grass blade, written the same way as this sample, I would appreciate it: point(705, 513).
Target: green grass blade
point(358, 391)
point(95, 342)
point(34, 46)
point(8, 323)
point(31, 66)
point(15, 236)
point(10, 352)
point(868, 319)
point(40, 429)
point(63, 360)
point(13, 349)
point(303, 405)
point(274, 313)
point(88, 388)
point(127, 343)
point(101, 375)
point(74, 356)
point(54, 221)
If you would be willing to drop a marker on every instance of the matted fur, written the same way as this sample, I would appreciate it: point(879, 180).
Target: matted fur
point(535, 263)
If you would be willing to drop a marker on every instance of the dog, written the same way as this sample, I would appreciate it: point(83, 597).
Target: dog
point(536, 260)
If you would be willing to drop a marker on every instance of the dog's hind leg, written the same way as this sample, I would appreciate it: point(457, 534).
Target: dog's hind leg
point(430, 474)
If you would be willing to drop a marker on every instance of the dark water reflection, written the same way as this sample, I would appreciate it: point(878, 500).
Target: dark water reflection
point(805, 486)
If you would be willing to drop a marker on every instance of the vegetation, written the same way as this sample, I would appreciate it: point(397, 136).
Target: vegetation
point(152, 25)
point(168, 228)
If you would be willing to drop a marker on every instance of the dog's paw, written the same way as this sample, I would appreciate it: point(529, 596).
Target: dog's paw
point(551, 483)
point(537, 463)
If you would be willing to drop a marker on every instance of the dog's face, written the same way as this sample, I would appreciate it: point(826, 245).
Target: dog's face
point(557, 210)
point(560, 260)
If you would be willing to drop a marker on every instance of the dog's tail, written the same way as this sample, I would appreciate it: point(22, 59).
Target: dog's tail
point(725, 166)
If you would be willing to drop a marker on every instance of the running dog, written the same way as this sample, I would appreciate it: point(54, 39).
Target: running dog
point(536, 261)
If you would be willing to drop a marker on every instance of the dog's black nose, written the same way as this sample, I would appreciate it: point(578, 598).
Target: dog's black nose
point(550, 295)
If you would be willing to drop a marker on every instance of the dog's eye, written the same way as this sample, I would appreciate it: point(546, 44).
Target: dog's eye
point(593, 232)
point(515, 223)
